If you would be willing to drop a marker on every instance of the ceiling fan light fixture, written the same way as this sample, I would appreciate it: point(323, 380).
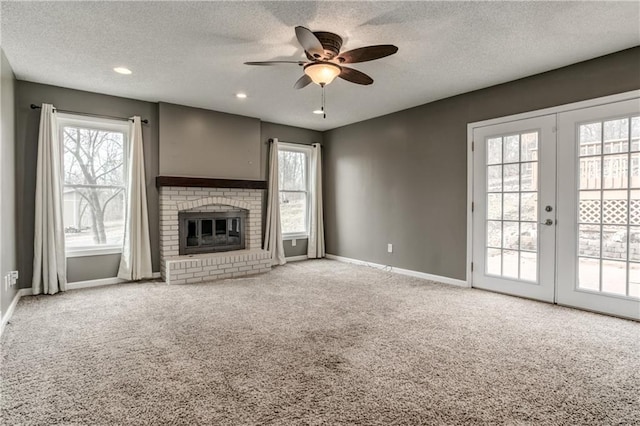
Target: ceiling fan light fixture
point(322, 73)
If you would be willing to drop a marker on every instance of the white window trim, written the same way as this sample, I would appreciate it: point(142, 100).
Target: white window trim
point(98, 123)
point(307, 150)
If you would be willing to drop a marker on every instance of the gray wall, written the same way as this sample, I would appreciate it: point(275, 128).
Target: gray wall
point(204, 143)
point(8, 255)
point(162, 119)
point(27, 122)
point(402, 178)
point(285, 134)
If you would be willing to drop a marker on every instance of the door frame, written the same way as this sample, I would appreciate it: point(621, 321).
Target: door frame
point(516, 117)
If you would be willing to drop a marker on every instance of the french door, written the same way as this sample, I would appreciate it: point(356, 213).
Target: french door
point(556, 213)
point(599, 240)
point(513, 237)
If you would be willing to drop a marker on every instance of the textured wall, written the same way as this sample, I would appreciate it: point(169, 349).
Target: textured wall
point(8, 255)
point(402, 178)
point(204, 143)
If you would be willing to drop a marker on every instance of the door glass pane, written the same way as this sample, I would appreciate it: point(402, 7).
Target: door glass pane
point(590, 173)
point(634, 280)
point(510, 264)
point(589, 274)
point(511, 180)
point(634, 243)
point(614, 210)
point(634, 207)
point(589, 240)
point(494, 234)
point(528, 177)
point(494, 206)
point(494, 178)
point(528, 266)
point(590, 139)
point(512, 149)
point(634, 170)
point(494, 151)
point(607, 210)
point(512, 206)
point(529, 236)
point(589, 206)
point(614, 277)
point(529, 147)
point(529, 206)
point(615, 171)
point(494, 262)
point(616, 136)
point(635, 134)
point(510, 235)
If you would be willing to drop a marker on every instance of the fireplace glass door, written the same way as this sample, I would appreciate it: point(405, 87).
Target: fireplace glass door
point(210, 232)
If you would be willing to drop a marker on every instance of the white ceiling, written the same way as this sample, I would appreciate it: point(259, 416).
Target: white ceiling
point(192, 53)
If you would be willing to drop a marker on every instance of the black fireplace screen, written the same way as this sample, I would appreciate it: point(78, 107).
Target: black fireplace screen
point(207, 232)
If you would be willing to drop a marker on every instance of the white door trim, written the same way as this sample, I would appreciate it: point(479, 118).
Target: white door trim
point(500, 120)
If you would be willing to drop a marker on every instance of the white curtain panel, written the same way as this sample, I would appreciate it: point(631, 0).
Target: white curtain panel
point(49, 261)
point(315, 248)
point(273, 232)
point(135, 262)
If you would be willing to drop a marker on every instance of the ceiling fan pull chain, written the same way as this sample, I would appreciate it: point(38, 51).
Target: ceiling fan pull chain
point(324, 113)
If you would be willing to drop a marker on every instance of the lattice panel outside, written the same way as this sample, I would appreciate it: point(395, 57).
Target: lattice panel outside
point(589, 211)
point(634, 214)
point(615, 211)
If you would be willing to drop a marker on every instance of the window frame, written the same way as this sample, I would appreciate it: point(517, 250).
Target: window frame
point(307, 151)
point(101, 124)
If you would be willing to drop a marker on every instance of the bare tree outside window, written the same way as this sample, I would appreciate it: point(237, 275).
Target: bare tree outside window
point(294, 197)
point(94, 186)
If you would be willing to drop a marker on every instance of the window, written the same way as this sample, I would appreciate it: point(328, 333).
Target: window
point(293, 164)
point(94, 184)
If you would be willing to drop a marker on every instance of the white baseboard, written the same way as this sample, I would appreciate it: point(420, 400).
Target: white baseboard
point(296, 258)
point(100, 282)
point(7, 315)
point(416, 274)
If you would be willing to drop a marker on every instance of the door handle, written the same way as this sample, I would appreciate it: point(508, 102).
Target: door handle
point(547, 222)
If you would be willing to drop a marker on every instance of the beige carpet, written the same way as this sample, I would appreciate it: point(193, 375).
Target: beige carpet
point(317, 342)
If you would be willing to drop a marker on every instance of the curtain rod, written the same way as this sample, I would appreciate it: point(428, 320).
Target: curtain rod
point(295, 143)
point(145, 121)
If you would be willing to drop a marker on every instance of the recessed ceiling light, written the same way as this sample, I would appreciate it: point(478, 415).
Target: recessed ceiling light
point(122, 70)
point(241, 95)
point(318, 111)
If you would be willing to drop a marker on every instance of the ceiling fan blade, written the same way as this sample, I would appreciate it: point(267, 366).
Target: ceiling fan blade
point(309, 41)
point(275, 62)
point(355, 76)
point(368, 53)
point(302, 82)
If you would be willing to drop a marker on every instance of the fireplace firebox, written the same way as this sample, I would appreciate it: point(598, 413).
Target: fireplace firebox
point(209, 232)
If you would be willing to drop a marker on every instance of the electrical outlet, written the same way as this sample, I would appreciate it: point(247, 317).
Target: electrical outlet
point(293, 243)
point(14, 277)
point(389, 248)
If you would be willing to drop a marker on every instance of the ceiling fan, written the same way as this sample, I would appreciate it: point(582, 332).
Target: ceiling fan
point(325, 62)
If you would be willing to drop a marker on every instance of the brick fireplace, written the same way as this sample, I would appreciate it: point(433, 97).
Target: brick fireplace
point(184, 196)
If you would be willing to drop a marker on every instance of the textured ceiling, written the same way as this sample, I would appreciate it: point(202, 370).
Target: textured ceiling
point(192, 53)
